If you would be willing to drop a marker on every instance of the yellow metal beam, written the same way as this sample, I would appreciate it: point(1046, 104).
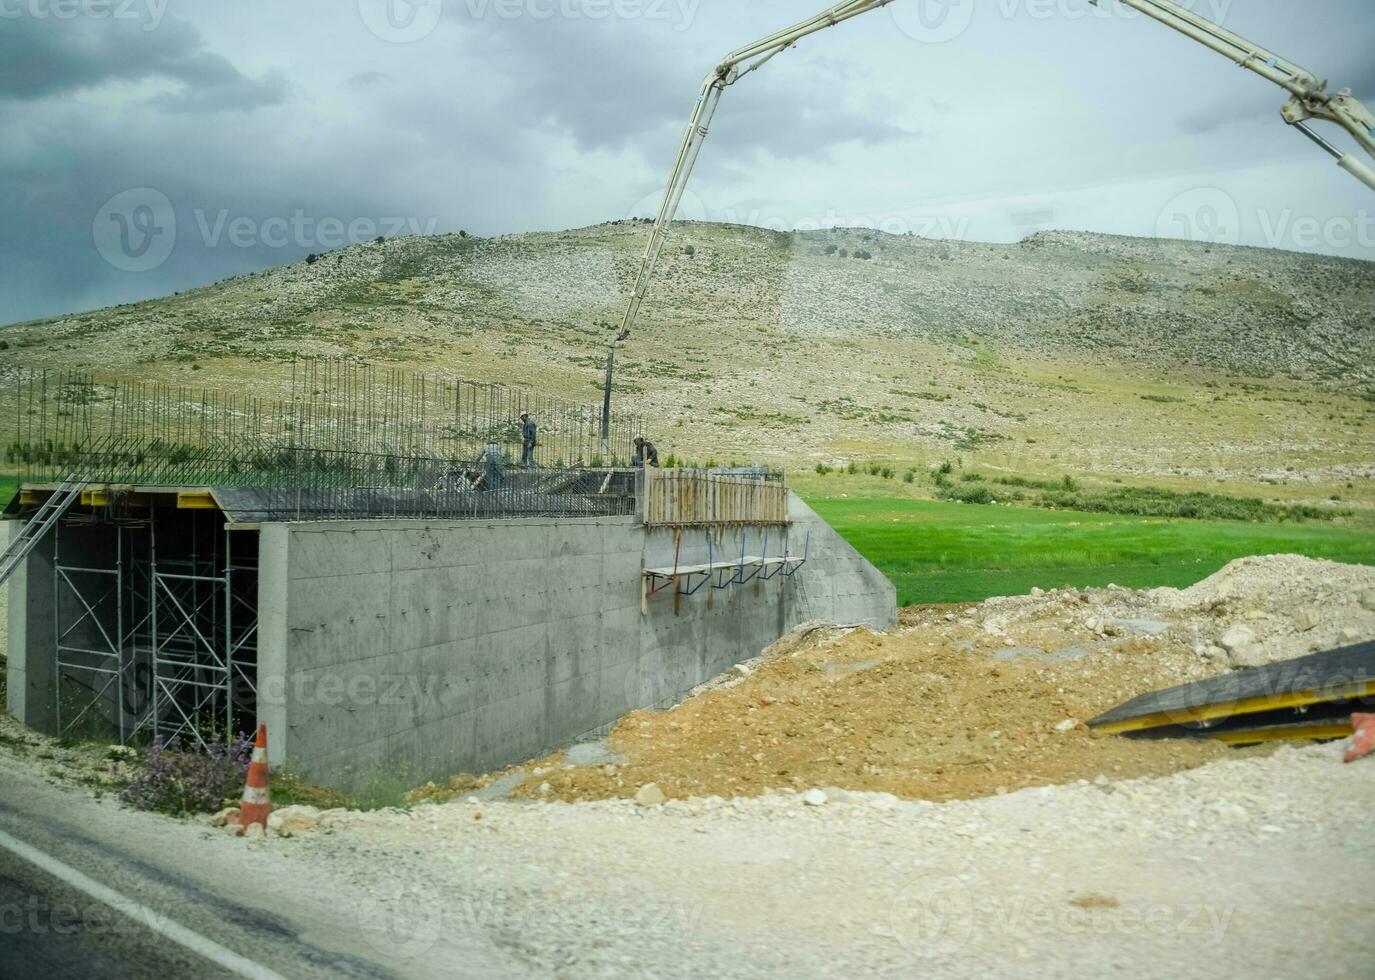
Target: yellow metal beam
point(1246, 706)
point(198, 500)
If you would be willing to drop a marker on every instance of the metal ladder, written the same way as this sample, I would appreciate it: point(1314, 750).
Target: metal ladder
point(67, 493)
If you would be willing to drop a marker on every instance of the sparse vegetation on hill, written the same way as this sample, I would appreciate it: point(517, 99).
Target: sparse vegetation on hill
point(1190, 367)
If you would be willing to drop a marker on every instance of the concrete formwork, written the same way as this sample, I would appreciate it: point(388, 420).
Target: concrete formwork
point(425, 650)
point(413, 650)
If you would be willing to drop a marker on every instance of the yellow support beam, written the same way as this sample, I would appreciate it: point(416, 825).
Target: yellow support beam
point(197, 500)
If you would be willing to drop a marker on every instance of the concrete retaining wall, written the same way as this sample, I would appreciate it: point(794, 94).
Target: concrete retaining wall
point(406, 651)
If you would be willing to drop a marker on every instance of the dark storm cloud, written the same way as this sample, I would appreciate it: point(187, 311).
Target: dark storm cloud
point(46, 58)
point(261, 109)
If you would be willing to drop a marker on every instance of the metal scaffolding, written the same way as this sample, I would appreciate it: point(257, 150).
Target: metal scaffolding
point(156, 643)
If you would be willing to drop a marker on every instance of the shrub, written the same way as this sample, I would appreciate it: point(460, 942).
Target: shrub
point(690, 251)
point(4, 345)
point(312, 258)
point(176, 781)
point(910, 476)
point(966, 493)
point(852, 469)
point(832, 249)
point(886, 472)
point(863, 254)
point(822, 469)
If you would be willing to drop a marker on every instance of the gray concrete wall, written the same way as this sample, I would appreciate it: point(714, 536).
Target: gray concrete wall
point(30, 695)
point(406, 651)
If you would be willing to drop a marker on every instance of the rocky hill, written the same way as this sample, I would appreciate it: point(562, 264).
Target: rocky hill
point(1065, 350)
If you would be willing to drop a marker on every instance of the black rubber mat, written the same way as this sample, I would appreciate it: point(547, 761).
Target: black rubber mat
point(1344, 676)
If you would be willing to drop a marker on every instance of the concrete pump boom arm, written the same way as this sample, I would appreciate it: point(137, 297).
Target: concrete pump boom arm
point(1309, 100)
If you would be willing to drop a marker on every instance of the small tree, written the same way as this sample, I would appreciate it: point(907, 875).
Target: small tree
point(690, 251)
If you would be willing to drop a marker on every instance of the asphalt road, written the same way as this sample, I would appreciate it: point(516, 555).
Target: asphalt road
point(175, 899)
point(52, 930)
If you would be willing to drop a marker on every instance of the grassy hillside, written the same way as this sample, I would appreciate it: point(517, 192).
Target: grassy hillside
point(945, 552)
point(1181, 365)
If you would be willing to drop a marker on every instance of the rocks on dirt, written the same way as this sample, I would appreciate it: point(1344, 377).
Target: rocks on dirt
point(650, 795)
point(224, 816)
point(291, 820)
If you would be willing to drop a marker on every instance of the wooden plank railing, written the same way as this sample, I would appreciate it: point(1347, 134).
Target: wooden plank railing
point(691, 498)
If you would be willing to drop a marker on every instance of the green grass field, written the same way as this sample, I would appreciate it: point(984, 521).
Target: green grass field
point(947, 552)
point(9, 486)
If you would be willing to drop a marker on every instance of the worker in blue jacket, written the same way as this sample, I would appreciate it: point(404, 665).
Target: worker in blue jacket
point(528, 438)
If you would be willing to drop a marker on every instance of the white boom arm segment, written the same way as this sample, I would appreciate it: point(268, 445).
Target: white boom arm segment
point(1309, 100)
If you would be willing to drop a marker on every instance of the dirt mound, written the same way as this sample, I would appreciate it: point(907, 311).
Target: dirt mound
point(900, 714)
point(975, 700)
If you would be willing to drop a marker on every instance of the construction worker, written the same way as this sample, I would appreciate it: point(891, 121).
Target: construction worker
point(528, 437)
point(493, 466)
point(645, 453)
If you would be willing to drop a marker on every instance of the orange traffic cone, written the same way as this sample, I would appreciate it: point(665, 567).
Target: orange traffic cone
point(257, 796)
point(1363, 743)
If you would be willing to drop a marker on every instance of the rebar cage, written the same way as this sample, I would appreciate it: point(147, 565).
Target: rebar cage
point(342, 427)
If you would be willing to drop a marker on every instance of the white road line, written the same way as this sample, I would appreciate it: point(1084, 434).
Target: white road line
point(195, 942)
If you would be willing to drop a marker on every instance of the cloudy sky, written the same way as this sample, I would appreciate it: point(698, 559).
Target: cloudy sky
point(148, 146)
